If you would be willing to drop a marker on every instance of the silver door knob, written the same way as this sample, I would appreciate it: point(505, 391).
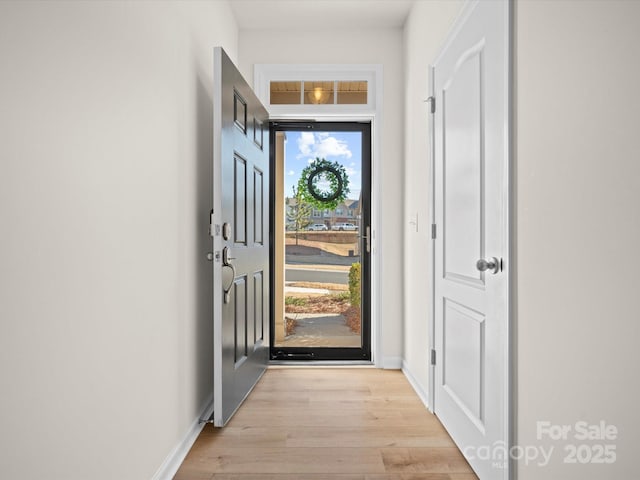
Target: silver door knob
point(493, 265)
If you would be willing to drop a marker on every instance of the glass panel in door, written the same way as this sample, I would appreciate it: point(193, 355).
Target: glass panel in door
point(324, 194)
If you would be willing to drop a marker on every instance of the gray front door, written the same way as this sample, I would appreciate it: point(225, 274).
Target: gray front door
point(240, 229)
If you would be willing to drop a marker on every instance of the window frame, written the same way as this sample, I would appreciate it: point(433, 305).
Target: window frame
point(264, 74)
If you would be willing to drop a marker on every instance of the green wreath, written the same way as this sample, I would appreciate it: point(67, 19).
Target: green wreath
point(322, 171)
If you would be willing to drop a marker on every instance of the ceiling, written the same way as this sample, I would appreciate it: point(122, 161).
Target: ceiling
point(320, 14)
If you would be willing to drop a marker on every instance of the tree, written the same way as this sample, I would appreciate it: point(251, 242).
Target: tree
point(299, 211)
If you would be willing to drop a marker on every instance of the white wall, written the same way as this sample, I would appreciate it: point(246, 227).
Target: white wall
point(105, 310)
point(383, 46)
point(425, 30)
point(578, 226)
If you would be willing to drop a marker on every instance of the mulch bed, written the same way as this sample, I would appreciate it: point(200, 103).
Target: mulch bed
point(290, 325)
point(325, 304)
point(352, 317)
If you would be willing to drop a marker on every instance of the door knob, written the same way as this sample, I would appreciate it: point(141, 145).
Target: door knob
point(492, 265)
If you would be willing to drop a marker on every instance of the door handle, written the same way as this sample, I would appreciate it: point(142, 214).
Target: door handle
point(367, 237)
point(493, 265)
point(227, 263)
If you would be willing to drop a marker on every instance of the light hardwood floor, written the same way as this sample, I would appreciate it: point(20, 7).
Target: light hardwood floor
point(324, 424)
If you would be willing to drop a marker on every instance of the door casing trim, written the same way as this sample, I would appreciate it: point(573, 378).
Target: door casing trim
point(373, 113)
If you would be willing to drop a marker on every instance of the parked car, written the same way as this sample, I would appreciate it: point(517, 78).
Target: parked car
point(318, 227)
point(344, 227)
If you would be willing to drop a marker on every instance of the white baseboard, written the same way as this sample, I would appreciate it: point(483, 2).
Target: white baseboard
point(392, 363)
point(173, 461)
point(417, 386)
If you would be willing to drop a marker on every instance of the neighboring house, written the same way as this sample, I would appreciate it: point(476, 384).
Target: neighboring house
point(348, 211)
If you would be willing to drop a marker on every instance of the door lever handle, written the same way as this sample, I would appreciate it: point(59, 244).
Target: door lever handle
point(227, 263)
point(493, 265)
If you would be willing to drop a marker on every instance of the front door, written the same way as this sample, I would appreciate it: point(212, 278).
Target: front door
point(471, 246)
point(240, 229)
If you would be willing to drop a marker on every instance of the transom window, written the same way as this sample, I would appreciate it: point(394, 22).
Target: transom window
point(312, 92)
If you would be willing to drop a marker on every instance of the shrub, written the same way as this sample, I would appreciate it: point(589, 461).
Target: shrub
point(354, 284)
point(341, 296)
point(297, 301)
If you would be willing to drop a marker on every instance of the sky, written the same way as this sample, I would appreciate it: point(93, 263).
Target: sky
point(302, 148)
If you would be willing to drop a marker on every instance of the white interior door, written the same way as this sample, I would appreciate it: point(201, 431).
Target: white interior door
point(240, 229)
point(471, 133)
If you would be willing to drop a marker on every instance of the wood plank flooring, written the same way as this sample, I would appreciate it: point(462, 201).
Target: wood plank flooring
point(328, 424)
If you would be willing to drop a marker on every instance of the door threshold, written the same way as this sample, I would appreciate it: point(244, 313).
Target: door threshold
point(320, 363)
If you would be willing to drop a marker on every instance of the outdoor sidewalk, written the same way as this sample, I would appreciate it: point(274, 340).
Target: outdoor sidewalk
point(321, 330)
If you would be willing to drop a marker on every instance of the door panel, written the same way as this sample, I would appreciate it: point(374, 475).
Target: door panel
point(239, 298)
point(463, 361)
point(462, 100)
point(241, 259)
point(240, 199)
point(258, 218)
point(471, 208)
point(258, 308)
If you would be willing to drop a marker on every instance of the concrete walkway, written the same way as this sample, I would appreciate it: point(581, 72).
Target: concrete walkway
point(321, 330)
point(289, 289)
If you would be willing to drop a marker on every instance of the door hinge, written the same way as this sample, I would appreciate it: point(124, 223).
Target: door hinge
point(433, 356)
point(432, 101)
point(433, 231)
